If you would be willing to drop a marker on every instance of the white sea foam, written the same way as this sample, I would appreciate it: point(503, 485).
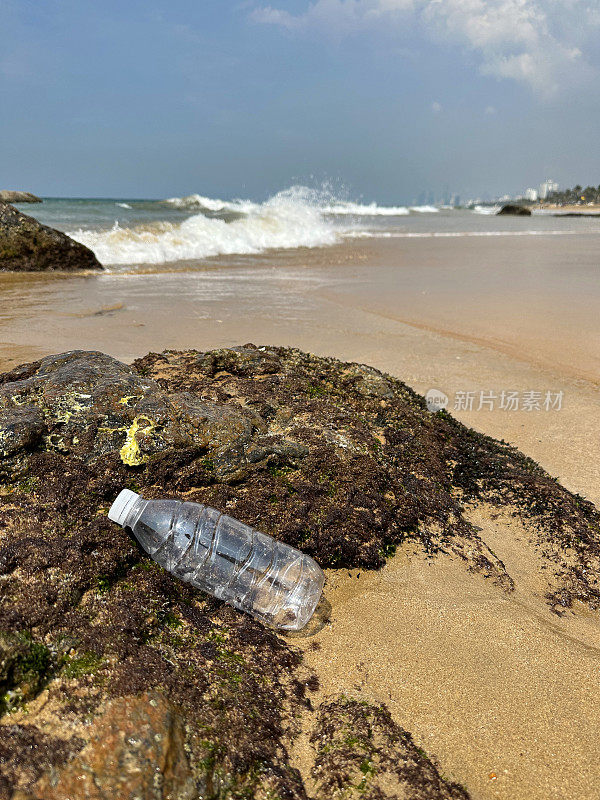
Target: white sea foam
point(373, 210)
point(343, 208)
point(287, 220)
point(296, 217)
point(198, 201)
point(485, 209)
point(320, 199)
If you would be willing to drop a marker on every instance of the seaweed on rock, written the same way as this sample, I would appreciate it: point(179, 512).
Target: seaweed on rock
point(336, 458)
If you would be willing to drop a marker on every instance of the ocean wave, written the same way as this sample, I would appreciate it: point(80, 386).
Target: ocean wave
point(201, 203)
point(319, 199)
point(485, 209)
point(323, 200)
point(287, 220)
point(342, 208)
point(123, 205)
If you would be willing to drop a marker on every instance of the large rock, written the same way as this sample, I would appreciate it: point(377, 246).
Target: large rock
point(27, 245)
point(135, 749)
point(8, 196)
point(336, 458)
point(511, 209)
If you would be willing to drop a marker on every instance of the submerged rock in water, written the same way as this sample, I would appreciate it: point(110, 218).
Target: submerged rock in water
point(335, 458)
point(27, 245)
point(10, 196)
point(515, 210)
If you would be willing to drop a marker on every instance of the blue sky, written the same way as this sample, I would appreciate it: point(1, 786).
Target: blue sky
point(387, 98)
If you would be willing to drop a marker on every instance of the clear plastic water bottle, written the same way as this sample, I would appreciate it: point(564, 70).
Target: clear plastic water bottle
point(249, 570)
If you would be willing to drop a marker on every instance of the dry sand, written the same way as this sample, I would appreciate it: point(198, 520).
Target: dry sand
point(503, 694)
point(500, 691)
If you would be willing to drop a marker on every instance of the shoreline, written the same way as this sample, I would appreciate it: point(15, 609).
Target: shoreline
point(520, 297)
point(456, 329)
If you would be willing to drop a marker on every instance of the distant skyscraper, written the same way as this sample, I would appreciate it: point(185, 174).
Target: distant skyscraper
point(532, 194)
point(547, 187)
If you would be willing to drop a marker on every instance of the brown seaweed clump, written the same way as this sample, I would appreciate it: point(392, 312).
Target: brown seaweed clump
point(363, 753)
point(335, 458)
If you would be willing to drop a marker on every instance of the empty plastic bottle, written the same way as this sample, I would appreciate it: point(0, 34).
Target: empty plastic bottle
point(249, 570)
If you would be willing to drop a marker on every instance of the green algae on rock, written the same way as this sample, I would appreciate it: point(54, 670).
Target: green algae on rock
point(25, 668)
point(335, 458)
point(27, 245)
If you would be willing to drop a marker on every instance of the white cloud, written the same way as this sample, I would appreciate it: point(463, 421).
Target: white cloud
point(541, 43)
point(334, 16)
point(436, 107)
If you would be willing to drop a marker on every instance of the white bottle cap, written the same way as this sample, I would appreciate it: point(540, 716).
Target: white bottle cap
point(119, 511)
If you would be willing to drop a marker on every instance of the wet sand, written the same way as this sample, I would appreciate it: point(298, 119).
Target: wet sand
point(500, 691)
point(531, 297)
point(456, 314)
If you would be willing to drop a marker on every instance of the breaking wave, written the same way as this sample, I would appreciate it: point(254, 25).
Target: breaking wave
point(486, 210)
point(197, 201)
point(342, 208)
point(296, 217)
point(425, 209)
point(320, 200)
point(286, 220)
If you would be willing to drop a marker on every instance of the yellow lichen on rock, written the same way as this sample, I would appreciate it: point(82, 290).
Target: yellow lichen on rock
point(130, 452)
point(124, 401)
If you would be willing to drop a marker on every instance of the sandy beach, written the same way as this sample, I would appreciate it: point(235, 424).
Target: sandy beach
point(498, 689)
point(501, 692)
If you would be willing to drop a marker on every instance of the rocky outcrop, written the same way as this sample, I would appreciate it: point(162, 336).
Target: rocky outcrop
point(514, 210)
point(27, 245)
point(336, 458)
point(8, 196)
